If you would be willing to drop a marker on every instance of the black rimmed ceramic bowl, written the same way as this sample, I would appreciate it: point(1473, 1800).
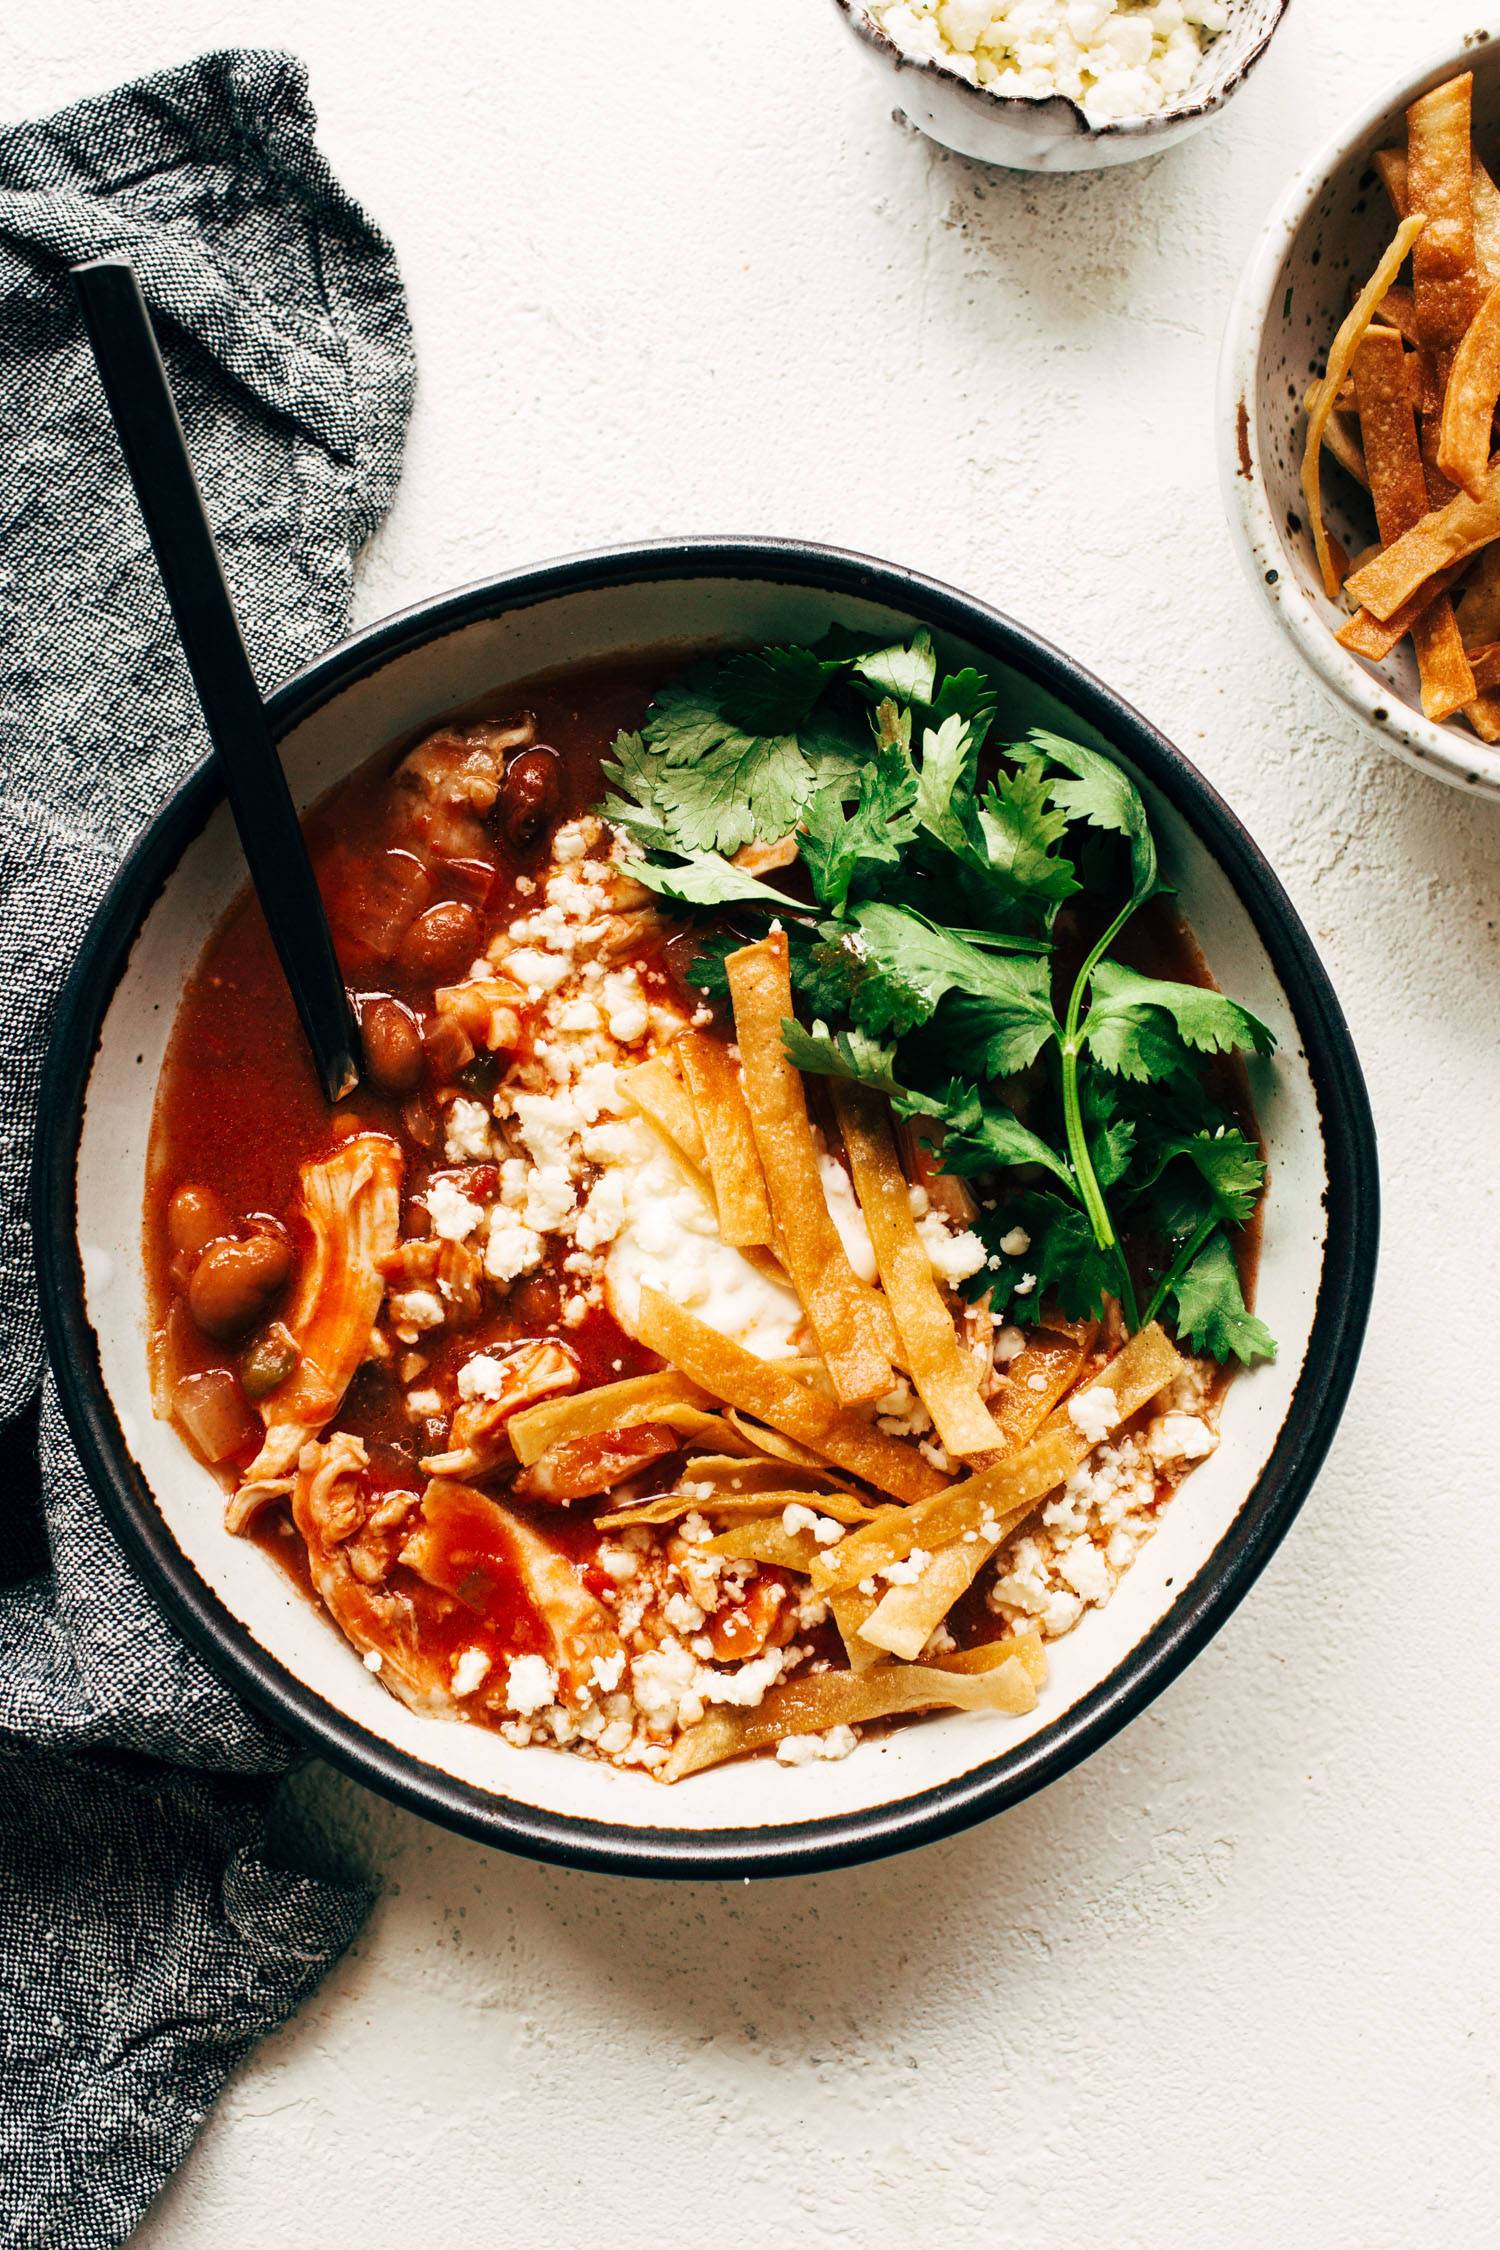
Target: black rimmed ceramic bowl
point(759, 1817)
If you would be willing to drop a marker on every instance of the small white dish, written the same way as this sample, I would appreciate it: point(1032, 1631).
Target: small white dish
point(1330, 228)
point(1027, 135)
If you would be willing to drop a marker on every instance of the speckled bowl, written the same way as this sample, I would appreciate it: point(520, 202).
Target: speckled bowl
point(1026, 135)
point(1330, 229)
point(112, 1024)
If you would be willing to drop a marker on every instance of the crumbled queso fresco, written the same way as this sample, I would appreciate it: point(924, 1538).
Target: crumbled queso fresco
point(1117, 59)
point(555, 1168)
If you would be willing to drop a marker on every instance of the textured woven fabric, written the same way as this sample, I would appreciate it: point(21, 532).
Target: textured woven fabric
point(145, 1938)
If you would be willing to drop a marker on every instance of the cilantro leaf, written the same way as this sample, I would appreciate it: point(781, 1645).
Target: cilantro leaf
point(773, 690)
point(1228, 1164)
point(1104, 796)
point(945, 785)
point(704, 879)
point(983, 1136)
point(834, 845)
point(1211, 1312)
point(907, 965)
point(640, 807)
point(1111, 1150)
point(1021, 830)
point(706, 971)
point(967, 695)
point(906, 670)
point(1061, 1264)
point(843, 1054)
point(709, 784)
point(1139, 1026)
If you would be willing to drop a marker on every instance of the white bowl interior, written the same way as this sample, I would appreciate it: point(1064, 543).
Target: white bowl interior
point(1329, 238)
point(418, 688)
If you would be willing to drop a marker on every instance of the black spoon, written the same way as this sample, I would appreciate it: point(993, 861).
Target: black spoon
point(156, 454)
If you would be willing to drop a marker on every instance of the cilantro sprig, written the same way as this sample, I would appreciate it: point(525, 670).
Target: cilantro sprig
point(953, 918)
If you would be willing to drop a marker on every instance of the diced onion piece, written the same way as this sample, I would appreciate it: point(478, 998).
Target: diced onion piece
point(389, 896)
point(819, 1700)
point(212, 1409)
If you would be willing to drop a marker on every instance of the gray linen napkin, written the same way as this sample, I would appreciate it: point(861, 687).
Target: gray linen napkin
point(145, 1937)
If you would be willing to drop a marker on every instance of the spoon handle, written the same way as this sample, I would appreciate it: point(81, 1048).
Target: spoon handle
point(156, 454)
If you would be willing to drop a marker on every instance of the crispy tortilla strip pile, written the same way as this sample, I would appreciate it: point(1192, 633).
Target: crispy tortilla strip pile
point(1408, 408)
point(853, 1327)
point(945, 1377)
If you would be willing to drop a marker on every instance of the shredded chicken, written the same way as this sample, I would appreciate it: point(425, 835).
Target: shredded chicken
point(353, 1538)
point(352, 1204)
point(461, 1530)
point(477, 1442)
point(442, 790)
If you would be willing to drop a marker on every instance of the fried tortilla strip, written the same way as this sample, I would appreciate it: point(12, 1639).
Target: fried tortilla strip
point(588, 1466)
point(655, 1089)
point(1479, 601)
point(1040, 1377)
point(766, 1540)
point(1485, 199)
point(726, 1505)
point(854, 1330)
point(993, 1502)
point(1366, 636)
point(1390, 163)
point(946, 1379)
point(776, 1442)
point(765, 1390)
point(1341, 438)
point(713, 1080)
point(1340, 358)
point(1444, 536)
point(849, 1610)
point(1398, 488)
point(351, 1201)
point(556, 1421)
point(1439, 185)
point(1486, 663)
point(1473, 393)
point(820, 1700)
point(1025, 1647)
point(905, 1619)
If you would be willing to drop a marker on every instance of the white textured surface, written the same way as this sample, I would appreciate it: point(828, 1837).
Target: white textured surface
point(673, 269)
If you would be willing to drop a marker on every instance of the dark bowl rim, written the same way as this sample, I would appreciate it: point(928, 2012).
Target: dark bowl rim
point(1202, 1605)
point(880, 41)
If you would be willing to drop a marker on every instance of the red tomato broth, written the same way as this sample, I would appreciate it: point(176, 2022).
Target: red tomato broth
point(239, 1111)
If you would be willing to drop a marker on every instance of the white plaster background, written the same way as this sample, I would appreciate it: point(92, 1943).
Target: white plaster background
point(674, 269)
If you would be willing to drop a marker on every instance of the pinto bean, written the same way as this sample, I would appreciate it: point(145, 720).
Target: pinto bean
point(440, 943)
point(392, 1041)
point(195, 1216)
point(236, 1282)
point(530, 797)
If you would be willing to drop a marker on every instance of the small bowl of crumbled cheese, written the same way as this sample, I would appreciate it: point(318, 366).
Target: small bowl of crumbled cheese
point(1062, 85)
